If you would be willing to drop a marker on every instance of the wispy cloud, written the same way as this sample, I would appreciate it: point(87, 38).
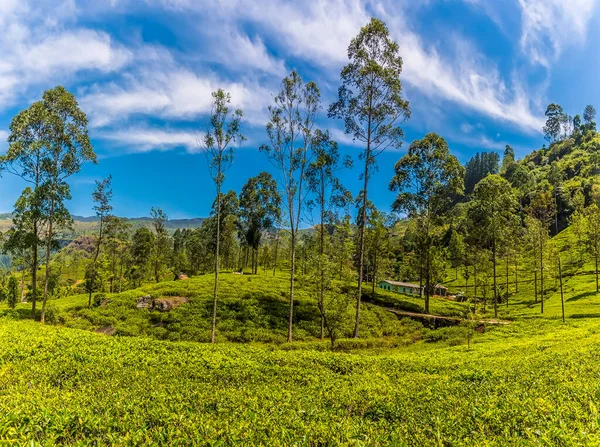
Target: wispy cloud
point(176, 93)
point(36, 50)
point(549, 26)
point(466, 77)
point(145, 139)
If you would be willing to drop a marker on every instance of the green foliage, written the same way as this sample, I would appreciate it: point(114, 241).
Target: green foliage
point(12, 292)
point(481, 165)
point(114, 390)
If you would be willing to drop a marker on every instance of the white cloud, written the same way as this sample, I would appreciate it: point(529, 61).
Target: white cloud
point(176, 93)
point(549, 26)
point(239, 52)
point(145, 139)
point(73, 51)
point(341, 137)
point(38, 50)
point(465, 78)
point(317, 31)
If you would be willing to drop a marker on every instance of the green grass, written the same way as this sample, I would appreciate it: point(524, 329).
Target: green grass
point(534, 381)
point(251, 308)
point(517, 385)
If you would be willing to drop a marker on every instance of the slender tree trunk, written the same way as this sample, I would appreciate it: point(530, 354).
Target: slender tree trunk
point(421, 279)
point(120, 274)
point(276, 250)
point(596, 259)
point(541, 271)
point(507, 259)
point(217, 247)
point(562, 297)
point(48, 250)
point(322, 256)
point(96, 254)
point(517, 272)
point(535, 288)
point(495, 283)
point(292, 278)
point(23, 284)
point(475, 280)
point(34, 269)
point(363, 226)
point(427, 279)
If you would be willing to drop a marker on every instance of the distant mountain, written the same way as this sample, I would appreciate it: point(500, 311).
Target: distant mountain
point(85, 225)
point(172, 224)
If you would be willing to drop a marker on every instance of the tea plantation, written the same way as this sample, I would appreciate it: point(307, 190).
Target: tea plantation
point(61, 386)
point(534, 381)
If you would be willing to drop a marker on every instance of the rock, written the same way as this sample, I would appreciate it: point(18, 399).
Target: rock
point(106, 330)
point(162, 304)
point(166, 303)
point(144, 302)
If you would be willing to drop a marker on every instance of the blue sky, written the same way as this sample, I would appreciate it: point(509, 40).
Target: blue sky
point(478, 72)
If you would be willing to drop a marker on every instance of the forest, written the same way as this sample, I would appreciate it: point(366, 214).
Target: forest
point(284, 277)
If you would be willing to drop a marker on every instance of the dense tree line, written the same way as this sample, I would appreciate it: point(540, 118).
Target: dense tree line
point(490, 220)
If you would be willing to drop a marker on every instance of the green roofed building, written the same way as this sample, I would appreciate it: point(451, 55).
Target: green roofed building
point(409, 288)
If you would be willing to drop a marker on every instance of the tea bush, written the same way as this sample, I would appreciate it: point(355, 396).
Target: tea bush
point(61, 386)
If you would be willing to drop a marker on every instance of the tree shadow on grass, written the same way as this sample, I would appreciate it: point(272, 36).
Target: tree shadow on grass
point(396, 302)
point(590, 315)
point(581, 296)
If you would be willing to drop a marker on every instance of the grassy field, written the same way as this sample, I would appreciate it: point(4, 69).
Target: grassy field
point(518, 385)
point(534, 381)
point(252, 308)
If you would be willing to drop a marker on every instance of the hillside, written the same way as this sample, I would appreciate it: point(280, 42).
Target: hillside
point(253, 309)
point(508, 388)
point(87, 225)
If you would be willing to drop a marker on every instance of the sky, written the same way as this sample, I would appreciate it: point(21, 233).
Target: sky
point(480, 73)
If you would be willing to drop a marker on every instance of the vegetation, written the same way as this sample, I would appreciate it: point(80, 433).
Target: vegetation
point(287, 261)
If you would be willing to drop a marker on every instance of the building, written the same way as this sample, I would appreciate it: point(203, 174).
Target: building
point(400, 287)
point(409, 288)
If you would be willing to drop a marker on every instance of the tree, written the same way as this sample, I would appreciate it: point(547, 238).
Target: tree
point(259, 210)
point(508, 159)
point(378, 245)
point(223, 132)
point(25, 158)
point(541, 209)
point(142, 246)
point(426, 179)
point(101, 196)
point(328, 195)
point(22, 239)
point(66, 148)
point(478, 167)
point(592, 234)
point(371, 105)
point(117, 241)
point(589, 116)
point(456, 247)
point(290, 134)
point(554, 119)
point(491, 215)
point(13, 292)
point(160, 252)
point(335, 312)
